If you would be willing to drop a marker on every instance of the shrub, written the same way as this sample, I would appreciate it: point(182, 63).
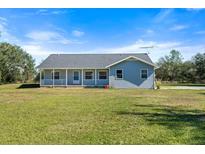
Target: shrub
point(158, 84)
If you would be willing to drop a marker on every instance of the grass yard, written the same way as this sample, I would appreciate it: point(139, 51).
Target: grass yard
point(101, 116)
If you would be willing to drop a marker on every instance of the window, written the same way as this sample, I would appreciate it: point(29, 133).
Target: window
point(144, 74)
point(102, 75)
point(88, 75)
point(119, 74)
point(56, 75)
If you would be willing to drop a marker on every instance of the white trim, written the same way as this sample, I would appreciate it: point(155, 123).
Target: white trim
point(82, 78)
point(45, 85)
point(95, 76)
point(53, 77)
point(129, 58)
point(109, 77)
point(88, 68)
point(154, 79)
point(40, 77)
point(141, 73)
point(116, 74)
point(105, 70)
point(70, 85)
point(78, 77)
point(92, 75)
point(66, 75)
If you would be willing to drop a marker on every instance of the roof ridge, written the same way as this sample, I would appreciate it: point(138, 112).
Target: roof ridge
point(98, 53)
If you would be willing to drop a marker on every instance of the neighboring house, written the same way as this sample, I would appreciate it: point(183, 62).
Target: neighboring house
point(116, 70)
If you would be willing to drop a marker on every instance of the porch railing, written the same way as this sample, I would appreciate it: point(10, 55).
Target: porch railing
point(51, 81)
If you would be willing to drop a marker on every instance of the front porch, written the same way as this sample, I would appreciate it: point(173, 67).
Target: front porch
point(74, 77)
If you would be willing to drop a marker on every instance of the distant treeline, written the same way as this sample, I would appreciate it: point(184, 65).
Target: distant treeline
point(173, 68)
point(16, 65)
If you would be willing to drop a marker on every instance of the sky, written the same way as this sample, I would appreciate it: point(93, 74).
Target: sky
point(47, 31)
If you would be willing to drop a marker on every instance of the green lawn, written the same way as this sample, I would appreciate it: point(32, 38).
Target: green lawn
point(101, 116)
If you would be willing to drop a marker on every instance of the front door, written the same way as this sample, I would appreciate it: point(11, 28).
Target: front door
point(76, 77)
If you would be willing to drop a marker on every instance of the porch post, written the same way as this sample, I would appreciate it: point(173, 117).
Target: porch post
point(95, 76)
point(53, 77)
point(66, 80)
point(82, 77)
point(40, 77)
point(109, 77)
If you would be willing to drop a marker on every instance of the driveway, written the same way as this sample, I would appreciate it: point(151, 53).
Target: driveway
point(184, 87)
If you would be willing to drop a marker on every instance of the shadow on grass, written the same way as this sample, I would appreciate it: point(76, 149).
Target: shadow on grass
point(203, 93)
point(26, 85)
point(173, 118)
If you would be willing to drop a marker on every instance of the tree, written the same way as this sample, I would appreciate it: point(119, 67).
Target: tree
point(15, 64)
point(188, 72)
point(0, 77)
point(169, 66)
point(199, 62)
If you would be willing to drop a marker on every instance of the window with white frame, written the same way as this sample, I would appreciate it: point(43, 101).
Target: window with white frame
point(102, 75)
point(144, 73)
point(56, 75)
point(119, 74)
point(88, 75)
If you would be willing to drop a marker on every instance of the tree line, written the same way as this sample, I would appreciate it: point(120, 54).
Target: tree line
point(16, 65)
point(173, 68)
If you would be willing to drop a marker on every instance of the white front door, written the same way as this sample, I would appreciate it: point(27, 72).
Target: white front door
point(76, 77)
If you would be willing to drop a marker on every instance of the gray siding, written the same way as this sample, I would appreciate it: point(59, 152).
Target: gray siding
point(131, 75)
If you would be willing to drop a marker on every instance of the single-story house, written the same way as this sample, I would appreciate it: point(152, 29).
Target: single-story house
point(113, 70)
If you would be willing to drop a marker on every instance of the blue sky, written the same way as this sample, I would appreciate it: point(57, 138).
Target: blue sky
point(45, 31)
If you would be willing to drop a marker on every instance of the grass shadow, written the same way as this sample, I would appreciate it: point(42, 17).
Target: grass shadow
point(202, 93)
point(27, 85)
point(173, 118)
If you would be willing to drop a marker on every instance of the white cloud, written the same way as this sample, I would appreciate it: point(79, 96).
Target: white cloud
point(41, 11)
point(137, 46)
point(5, 34)
point(3, 19)
point(42, 35)
point(178, 27)
point(194, 9)
point(77, 33)
point(49, 37)
point(37, 52)
point(159, 49)
point(162, 15)
point(50, 12)
point(200, 32)
point(59, 12)
point(149, 31)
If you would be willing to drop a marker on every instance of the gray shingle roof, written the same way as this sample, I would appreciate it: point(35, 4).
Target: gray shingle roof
point(87, 60)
